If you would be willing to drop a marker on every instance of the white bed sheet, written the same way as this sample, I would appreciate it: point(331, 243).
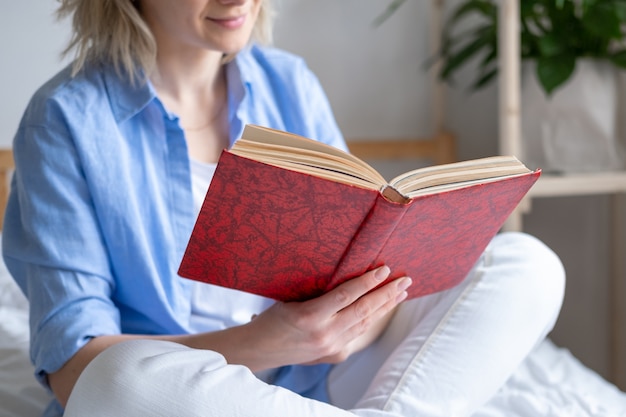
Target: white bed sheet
point(550, 383)
point(20, 394)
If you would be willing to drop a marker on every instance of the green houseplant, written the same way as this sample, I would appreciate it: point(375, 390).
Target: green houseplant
point(571, 52)
point(554, 33)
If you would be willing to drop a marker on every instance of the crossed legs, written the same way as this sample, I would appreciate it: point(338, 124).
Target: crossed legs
point(443, 355)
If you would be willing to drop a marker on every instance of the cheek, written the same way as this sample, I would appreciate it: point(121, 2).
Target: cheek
point(256, 10)
point(165, 16)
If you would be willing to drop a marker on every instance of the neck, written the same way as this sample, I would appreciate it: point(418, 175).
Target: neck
point(191, 82)
point(183, 78)
point(194, 87)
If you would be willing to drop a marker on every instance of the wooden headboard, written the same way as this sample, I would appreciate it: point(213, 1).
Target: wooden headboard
point(6, 166)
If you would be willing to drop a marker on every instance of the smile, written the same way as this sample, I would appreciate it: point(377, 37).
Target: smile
point(230, 23)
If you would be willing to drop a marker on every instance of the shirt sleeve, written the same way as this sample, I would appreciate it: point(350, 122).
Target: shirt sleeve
point(52, 244)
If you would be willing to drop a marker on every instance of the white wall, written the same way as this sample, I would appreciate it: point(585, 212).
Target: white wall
point(375, 80)
point(376, 77)
point(29, 54)
point(365, 79)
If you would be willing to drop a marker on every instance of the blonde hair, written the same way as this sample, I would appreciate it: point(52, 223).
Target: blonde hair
point(113, 31)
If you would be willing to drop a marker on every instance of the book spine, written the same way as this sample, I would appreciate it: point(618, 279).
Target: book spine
point(442, 235)
point(361, 255)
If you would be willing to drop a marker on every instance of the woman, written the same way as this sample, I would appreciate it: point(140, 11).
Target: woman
point(113, 157)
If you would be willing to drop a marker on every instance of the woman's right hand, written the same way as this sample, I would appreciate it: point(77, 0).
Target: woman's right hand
point(326, 329)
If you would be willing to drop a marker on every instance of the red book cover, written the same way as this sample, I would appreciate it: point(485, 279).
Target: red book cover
point(292, 236)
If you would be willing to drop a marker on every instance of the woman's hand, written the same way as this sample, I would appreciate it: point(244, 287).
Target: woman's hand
point(326, 329)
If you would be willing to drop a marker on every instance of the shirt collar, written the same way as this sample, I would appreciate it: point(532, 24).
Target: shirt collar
point(240, 81)
point(126, 98)
point(242, 66)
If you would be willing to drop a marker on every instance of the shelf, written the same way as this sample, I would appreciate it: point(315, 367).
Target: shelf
point(6, 166)
point(441, 148)
point(552, 185)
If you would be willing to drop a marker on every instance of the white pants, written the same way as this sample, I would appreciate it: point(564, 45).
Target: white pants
point(445, 354)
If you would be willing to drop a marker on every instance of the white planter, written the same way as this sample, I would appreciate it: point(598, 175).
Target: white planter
point(575, 129)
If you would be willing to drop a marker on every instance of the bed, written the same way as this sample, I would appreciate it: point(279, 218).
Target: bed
point(550, 383)
point(20, 394)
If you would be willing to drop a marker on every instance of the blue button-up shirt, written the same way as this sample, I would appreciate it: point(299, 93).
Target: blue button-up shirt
point(101, 202)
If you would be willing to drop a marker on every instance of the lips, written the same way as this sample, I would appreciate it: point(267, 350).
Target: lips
point(230, 22)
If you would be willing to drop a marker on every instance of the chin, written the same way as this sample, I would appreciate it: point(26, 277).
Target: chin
point(234, 49)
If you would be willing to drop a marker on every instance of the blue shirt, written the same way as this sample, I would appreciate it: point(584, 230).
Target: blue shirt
point(101, 206)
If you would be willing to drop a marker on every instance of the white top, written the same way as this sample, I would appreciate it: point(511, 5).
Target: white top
point(214, 307)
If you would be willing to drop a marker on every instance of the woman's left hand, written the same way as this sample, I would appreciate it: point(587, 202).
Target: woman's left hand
point(325, 329)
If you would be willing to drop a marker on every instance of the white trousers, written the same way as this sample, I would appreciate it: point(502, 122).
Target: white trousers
point(445, 354)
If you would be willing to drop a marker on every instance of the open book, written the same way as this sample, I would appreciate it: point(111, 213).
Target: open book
point(308, 156)
point(290, 218)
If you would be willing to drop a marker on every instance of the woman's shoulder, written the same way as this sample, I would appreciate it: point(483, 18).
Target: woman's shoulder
point(65, 85)
point(63, 92)
point(273, 55)
point(71, 94)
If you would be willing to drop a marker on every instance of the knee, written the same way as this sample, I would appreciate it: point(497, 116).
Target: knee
point(539, 272)
point(124, 375)
point(118, 364)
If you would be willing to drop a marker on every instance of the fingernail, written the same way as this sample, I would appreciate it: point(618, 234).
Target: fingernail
point(404, 283)
point(382, 273)
point(401, 297)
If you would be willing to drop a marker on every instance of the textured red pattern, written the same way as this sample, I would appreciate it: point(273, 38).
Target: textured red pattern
point(292, 236)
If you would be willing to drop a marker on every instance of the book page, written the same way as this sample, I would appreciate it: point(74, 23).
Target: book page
point(458, 173)
point(305, 155)
point(261, 143)
point(456, 185)
point(306, 158)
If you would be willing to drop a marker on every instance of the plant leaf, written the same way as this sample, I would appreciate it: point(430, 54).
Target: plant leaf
point(602, 20)
point(388, 12)
point(552, 72)
point(491, 57)
point(620, 10)
point(484, 7)
point(484, 37)
point(484, 79)
point(619, 59)
point(551, 45)
point(586, 4)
